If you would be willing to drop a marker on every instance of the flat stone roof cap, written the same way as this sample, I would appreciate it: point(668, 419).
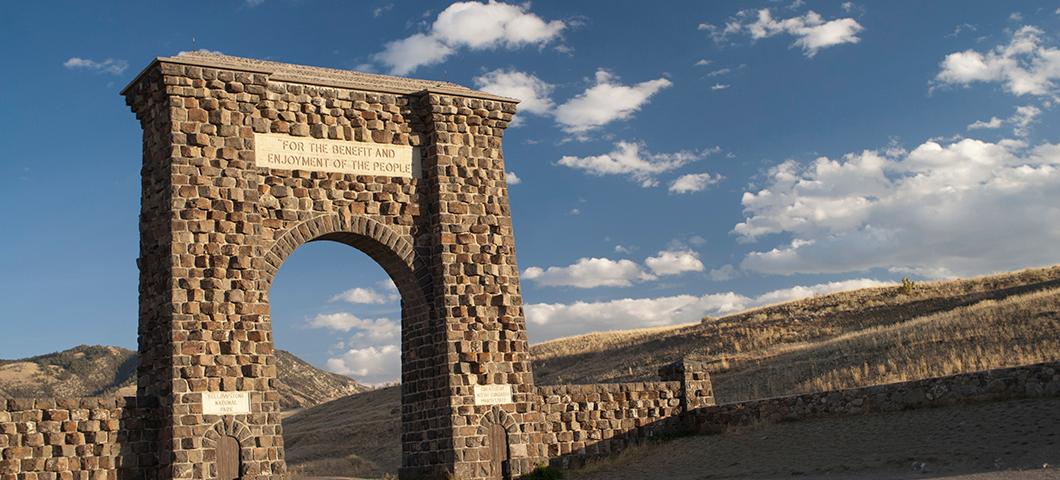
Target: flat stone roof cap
point(327, 77)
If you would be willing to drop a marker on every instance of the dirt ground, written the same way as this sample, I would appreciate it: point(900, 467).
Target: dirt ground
point(1009, 440)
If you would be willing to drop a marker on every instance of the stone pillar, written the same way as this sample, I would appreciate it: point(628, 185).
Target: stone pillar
point(696, 389)
point(476, 279)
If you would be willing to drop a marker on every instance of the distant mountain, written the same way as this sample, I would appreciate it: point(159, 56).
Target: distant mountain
point(84, 371)
point(302, 385)
point(92, 370)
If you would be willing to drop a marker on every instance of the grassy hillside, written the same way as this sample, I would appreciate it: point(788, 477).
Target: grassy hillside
point(887, 334)
point(846, 339)
point(357, 435)
point(87, 371)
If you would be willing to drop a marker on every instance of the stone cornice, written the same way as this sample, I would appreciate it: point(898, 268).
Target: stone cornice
point(320, 76)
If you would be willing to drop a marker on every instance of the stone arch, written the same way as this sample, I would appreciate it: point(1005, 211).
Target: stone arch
point(391, 250)
point(226, 427)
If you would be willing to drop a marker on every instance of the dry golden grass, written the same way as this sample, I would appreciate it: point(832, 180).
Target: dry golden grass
point(845, 339)
point(1019, 330)
point(841, 340)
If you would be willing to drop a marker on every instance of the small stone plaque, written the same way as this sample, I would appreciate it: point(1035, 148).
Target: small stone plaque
point(288, 152)
point(225, 403)
point(493, 394)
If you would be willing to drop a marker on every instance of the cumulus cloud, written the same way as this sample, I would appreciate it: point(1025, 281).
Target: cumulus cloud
point(110, 66)
point(673, 262)
point(365, 295)
point(534, 94)
point(589, 273)
point(470, 25)
point(800, 291)
point(719, 86)
point(811, 31)
point(1021, 121)
point(723, 273)
point(604, 102)
point(1023, 66)
point(547, 321)
point(993, 123)
point(965, 207)
point(200, 51)
point(370, 365)
point(703, 62)
point(604, 272)
point(693, 182)
point(368, 329)
point(632, 160)
point(512, 178)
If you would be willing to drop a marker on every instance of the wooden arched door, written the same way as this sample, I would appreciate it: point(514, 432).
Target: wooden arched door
point(497, 441)
point(229, 461)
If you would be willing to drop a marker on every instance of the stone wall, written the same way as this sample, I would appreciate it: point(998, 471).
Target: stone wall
point(584, 421)
point(76, 438)
point(1039, 380)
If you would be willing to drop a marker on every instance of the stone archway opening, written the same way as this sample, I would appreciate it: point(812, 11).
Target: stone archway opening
point(377, 250)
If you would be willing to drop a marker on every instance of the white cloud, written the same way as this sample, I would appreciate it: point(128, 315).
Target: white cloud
point(623, 249)
point(110, 66)
point(379, 11)
point(201, 50)
point(604, 102)
point(673, 262)
point(369, 329)
point(512, 178)
point(703, 62)
point(693, 182)
point(365, 295)
point(719, 72)
point(471, 25)
point(723, 273)
point(993, 123)
point(800, 291)
point(1022, 120)
point(589, 273)
point(1024, 66)
point(533, 93)
point(848, 6)
point(387, 284)
point(813, 32)
point(961, 208)
point(719, 86)
point(553, 320)
point(370, 365)
point(575, 211)
point(632, 160)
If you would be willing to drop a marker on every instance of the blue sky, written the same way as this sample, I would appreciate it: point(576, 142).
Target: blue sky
point(668, 163)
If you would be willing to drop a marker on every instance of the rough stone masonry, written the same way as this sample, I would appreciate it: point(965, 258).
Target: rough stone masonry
point(246, 160)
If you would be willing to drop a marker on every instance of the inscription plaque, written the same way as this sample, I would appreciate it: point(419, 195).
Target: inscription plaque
point(225, 403)
point(272, 150)
point(493, 394)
